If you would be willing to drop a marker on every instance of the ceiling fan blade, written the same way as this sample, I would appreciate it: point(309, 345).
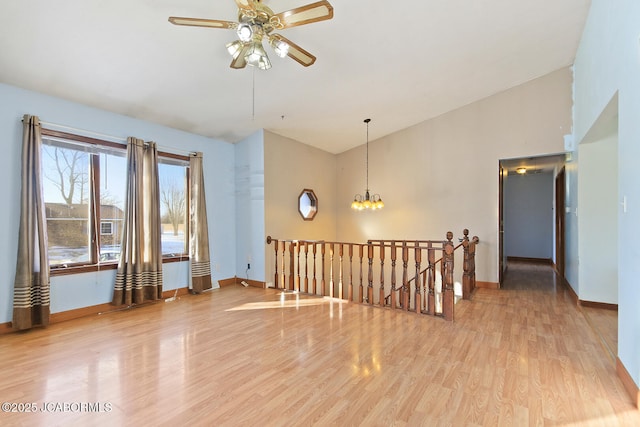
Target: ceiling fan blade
point(198, 22)
point(239, 61)
point(314, 12)
point(296, 53)
point(246, 4)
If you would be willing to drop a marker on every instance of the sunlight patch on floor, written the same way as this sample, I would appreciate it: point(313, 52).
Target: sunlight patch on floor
point(287, 300)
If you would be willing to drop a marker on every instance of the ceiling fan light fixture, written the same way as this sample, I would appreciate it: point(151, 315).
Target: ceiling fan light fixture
point(280, 47)
point(257, 57)
point(234, 48)
point(245, 32)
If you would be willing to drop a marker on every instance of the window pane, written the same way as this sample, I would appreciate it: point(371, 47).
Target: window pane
point(173, 208)
point(113, 176)
point(66, 197)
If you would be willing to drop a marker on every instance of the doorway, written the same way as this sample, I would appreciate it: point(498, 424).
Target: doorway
point(531, 211)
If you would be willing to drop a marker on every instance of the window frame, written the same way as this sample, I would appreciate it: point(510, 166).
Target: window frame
point(94, 264)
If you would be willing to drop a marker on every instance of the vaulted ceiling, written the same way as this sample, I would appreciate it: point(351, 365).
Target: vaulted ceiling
point(399, 63)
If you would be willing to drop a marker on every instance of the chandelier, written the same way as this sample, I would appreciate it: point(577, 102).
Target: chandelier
point(369, 201)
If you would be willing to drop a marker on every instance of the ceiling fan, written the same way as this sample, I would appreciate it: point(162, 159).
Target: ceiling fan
point(257, 22)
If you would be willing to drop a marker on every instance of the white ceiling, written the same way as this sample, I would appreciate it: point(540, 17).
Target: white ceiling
point(398, 63)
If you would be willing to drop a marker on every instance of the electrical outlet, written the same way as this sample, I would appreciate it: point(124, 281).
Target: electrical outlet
point(248, 266)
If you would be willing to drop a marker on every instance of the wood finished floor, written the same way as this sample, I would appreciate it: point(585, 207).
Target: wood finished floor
point(524, 355)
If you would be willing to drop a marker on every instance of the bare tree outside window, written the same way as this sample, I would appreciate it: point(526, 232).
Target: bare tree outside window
point(173, 199)
point(69, 173)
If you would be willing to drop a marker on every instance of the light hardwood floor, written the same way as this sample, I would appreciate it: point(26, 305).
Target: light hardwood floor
point(519, 356)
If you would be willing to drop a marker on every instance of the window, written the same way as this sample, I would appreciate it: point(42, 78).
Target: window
point(173, 175)
point(106, 228)
point(84, 182)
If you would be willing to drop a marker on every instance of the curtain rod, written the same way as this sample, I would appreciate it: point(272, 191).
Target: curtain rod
point(89, 133)
point(85, 131)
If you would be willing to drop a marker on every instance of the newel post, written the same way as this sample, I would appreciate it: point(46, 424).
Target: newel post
point(472, 260)
point(447, 263)
point(466, 267)
point(275, 248)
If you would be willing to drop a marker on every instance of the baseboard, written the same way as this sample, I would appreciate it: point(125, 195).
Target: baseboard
point(227, 282)
point(77, 313)
point(582, 303)
point(487, 285)
point(572, 293)
point(545, 261)
point(593, 304)
point(238, 281)
point(5, 328)
point(628, 382)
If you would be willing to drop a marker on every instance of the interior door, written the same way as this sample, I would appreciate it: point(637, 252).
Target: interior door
point(560, 214)
point(502, 264)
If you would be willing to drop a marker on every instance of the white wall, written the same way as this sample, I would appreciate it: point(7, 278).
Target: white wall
point(291, 167)
point(442, 174)
point(250, 207)
point(608, 61)
point(71, 292)
point(598, 220)
point(529, 215)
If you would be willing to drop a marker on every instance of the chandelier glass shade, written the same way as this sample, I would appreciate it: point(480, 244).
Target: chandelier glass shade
point(368, 201)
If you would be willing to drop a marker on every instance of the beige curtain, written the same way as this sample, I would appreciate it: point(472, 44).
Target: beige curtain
point(139, 276)
point(198, 229)
point(31, 286)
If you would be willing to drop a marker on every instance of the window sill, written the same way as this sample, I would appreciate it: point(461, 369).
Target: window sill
point(77, 269)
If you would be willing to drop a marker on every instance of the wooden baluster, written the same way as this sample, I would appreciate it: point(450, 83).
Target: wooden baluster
point(393, 274)
point(315, 281)
point(296, 248)
point(448, 295)
point(306, 267)
point(466, 267)
point(340, 284)
point(370, 275)
point(418, 259)
point(472, 260)
point(431, 255)
point(331, 270)
point(405, 279)
point(361, 289)
point(382, 250)
point(425, 291)
point(322, 269)
point(350, 291)
point(292, 265)
point(284, 276)
point(275, 279)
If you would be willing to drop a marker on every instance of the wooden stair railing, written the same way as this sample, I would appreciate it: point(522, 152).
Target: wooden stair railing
point(416, 292)
point(428, 275)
